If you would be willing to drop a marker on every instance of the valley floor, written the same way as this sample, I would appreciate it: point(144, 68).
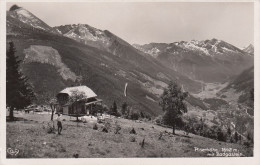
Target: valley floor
point(29, 135)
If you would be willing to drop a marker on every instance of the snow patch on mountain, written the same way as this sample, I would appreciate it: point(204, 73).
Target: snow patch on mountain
point(24, 13)
point(227, 49)
point(48, 55)
point(84, 33)
point(205, 47)
point(193, 45)
point(154, 52)
point(58, 31)
point(28, 18)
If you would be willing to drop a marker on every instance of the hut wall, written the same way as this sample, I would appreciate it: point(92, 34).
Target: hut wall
point(66, 110)
point(78, 108)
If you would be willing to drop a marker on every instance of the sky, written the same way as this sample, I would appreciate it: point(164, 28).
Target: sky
point(163, 22)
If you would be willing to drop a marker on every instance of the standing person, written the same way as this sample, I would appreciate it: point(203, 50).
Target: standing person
point(59, 123)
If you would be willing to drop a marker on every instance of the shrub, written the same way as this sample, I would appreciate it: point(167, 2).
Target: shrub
point(160, 136)
point(221, 136)
point(246, 143)
point(50, 127)
point(107, 125)
point(113, 110)
point(105, 130)
point(158, 120)
point(95, 127)
point(132, 131)
point(76, 155)
point(187, 129)
point(132, 139)
point(117, 129)
point(134, 116)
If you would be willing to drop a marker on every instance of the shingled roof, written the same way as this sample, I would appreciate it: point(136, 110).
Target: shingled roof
point(86, 90)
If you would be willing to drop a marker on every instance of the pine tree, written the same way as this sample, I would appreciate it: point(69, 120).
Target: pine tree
point(229, 131)
point(142, 115)
point(248, 136)
point(19, 93)
point(113, 109)
point(236, 137)
point(172, 104)
point(252, 94)
point(124, 108)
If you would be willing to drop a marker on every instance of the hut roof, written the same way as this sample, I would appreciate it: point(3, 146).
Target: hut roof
point(86, 90)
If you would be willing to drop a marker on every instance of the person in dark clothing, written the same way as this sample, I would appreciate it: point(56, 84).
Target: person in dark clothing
point(59, 123)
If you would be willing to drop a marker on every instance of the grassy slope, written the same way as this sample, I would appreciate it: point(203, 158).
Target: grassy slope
point(244, 81)
point(241, 85)
point(31, 139)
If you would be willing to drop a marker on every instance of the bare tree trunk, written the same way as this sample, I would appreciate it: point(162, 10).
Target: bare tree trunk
point(143, 143)
point(52, 112)
point(173, 128)
point(53, 125)
point(11, 113)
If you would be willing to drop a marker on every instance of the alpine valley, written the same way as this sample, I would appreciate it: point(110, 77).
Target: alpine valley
point(212, 71)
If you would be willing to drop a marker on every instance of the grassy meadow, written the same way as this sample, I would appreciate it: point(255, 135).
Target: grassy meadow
point(29, 135)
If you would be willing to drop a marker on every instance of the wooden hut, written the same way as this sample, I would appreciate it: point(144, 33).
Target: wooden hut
point(77, 101)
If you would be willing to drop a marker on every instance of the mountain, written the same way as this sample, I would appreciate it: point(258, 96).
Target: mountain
point(107, 41)
point(153, 48)
point(239, 93)
point(86, 34)
point(57, 57)
point(241, 88)
point(54, 58)
point(249, 49)
point(208, 60)
point(23, 15)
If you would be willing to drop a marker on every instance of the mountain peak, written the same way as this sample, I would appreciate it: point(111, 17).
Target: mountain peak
point(20, 14)
point(250, 46)
point(14, 7)
point(23, 12)
point(249, 49)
